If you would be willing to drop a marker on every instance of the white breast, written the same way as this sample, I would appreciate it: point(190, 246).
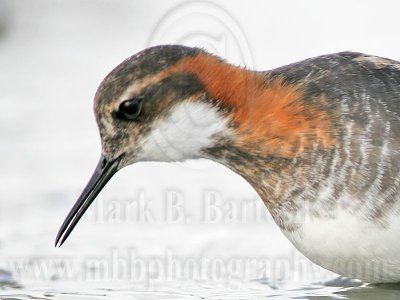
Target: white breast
point(351, 245)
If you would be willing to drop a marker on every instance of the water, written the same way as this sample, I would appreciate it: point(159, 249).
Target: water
point(158, 231)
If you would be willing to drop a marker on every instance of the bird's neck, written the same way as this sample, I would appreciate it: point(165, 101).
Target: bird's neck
point(273, 124)
point(267, 175)
point(275, 128)
point(270, 117)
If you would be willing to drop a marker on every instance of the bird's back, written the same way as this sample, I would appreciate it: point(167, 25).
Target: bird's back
point(354, 192)
point(363, 95)
point(350, 76)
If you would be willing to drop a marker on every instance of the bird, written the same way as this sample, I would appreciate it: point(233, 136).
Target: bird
point(318, 140)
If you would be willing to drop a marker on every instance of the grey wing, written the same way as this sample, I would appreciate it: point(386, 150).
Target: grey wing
point(364, 93)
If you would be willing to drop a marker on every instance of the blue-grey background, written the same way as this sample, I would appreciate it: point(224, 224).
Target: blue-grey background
point(158, 231)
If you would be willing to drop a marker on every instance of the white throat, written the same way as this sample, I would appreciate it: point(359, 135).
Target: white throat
point(183, 133)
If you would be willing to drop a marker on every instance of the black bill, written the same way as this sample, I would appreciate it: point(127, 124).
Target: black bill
point(102, 174)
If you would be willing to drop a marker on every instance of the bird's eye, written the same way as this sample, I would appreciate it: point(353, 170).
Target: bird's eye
point(130, 109)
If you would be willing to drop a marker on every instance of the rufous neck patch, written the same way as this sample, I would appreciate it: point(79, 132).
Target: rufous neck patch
point(271, 117)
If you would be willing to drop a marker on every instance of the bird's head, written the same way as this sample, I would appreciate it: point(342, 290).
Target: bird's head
point(154, 106)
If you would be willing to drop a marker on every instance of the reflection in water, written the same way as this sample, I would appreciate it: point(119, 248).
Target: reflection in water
point(7, 282)
point(313, 292)
point(372, 292)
